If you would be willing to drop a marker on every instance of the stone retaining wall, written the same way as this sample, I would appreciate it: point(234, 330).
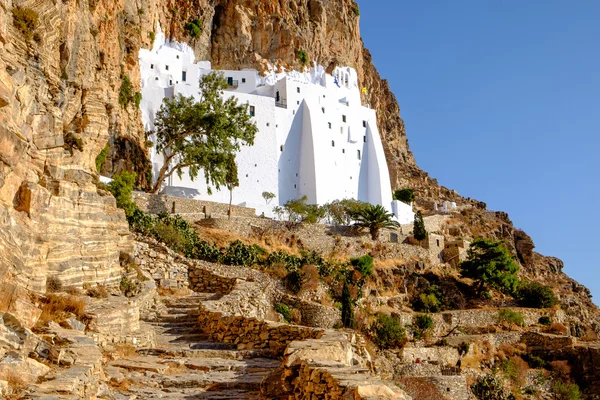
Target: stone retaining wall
point(157, 203)
point(450, 387)
point(314, 314)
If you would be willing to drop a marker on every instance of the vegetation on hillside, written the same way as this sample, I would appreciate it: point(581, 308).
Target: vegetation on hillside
point(375, 218)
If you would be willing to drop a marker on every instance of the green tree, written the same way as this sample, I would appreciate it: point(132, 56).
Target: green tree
point(419, 231)
point(268, 196)
point(342, 212)
point(375, 218)
point(536, 295)
point(363, 264)
point(422, 324)
point(299, 211)
point(347, 307)
point(405, 195)
point(489, 263)
point(387, 332)
point(203, 135)
point(122, 187)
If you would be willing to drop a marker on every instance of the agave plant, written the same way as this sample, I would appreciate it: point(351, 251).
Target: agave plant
point(375, 218)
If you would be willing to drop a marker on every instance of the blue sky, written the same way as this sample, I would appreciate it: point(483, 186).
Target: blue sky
point(501, 101)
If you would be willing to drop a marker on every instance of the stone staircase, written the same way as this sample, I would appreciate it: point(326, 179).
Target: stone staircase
point(185, 365)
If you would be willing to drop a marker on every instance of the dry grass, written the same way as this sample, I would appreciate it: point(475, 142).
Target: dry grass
point(482, 354)
point(99, 291)
point(58, 307)
point(419, 388)
point(173, 292)
point(15, 380)
point(557, 329)
point(561, 368)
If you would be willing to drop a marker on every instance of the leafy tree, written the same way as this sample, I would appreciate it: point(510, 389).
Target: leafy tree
point(405, 195)
point(342, 212)
point(299, 211)
point(536, 295)
point(489, 263)
point(375, 218)
point(387, 332)
point(363, 264)
point(268, 196)
point(347, 307)
point(122, 187)
point(203, 135)
point(419, 231)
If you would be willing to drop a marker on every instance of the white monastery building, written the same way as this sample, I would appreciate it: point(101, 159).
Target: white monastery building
point(314, 139)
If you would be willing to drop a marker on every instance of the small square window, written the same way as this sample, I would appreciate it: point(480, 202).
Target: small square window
point(170, 82)
point(365, 139)
point(167, 67)
point(298, 102)
point(323, 109)
point(151, 66)
point(281, 149)
point(294, 186)
point(156, 78)
point(343, 118)
point(268, 124)
point(243, 80)
point(298, 89)
point(329, 124)
point(358, 154)
point(178, 56)
point(333, 143)
point(364, 124)
point(343, 151)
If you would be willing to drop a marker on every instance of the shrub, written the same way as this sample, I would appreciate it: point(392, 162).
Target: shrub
point(515, 369)
point(128, 287)
point(405, 195)
point(194, 28)
point(534, 361)
point(293, 281)
point(302, 57)
point(510, 317)
point(422, 323)
point(126, 94)
point(237, 253)
point(428, 301)
point(152, 36)
point(57, 308)
point(566, 391)
point(122, 187)
point(489, 387)
point(101, 157)
point(463, 348)
point(285, 311)
point(356, 11)
point(169, 236)
point(98, 291)
point(53, 285)
point(363, 264)
point(533, 294)
point(387, 332)
point(72, 142)
point(25, 20)
point(545, 320)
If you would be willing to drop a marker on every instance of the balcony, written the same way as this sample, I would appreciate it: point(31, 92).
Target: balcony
point(232, 84)
point(282, 103)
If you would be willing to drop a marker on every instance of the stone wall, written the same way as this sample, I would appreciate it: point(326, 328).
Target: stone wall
point(314, 314)
point(439, 355)
point(157, 203)
point(450, 387)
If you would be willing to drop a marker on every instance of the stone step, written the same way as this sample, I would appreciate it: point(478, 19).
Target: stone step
point(216, 381)
point(219, 350)
point(193, 394)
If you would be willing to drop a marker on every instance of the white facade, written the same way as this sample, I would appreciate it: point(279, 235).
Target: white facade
point(314, 137)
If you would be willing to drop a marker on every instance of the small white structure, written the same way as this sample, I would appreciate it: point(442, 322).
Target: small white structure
point(314, 138)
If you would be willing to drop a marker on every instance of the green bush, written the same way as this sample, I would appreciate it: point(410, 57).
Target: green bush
point(534, 361)
point(545, 320)
point(536, 295)
point(404, 195)
point(302, 57)
point(387, 332)
point(363, 264)
point(101, 157)
point(423, 322)
point(127, 95)
point(25, 20)
point(489, 387)
point(285, 311)
point(419, 231)
point(122, 187)
point(72, 142)
point(566, 391)
point(356, 11)
point(293, 281)
point(347, 307)
point(152, 36)
point(137, 99)
point(510, 317)
point(430, 300)
point(194, 28)
point(237, 253)
point(170, 236)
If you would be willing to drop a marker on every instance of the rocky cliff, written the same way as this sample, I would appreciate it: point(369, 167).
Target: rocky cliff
point(65, 68)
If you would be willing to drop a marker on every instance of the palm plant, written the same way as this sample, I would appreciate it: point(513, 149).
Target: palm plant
point(375, 218)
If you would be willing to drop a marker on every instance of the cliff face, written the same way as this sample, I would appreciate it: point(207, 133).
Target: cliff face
point(59, 106)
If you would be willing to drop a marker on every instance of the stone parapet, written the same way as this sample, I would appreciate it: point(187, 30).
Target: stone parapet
point(158, 203)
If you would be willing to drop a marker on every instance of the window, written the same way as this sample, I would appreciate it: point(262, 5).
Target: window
point(358, 154)
point(170, 82)
point(156, 78)
point(323, 109)
point(298, 102)
point(329, 124)
point(178, 56)
point(343, 118)
point(294, 186)
point(151, 66)
point(243, 80)
point(252, 111)
point(343, 151)
point(281, 149)
point(268, 124)
point(342, 130)
point(183, 76)
point(333, 143)
point(365, 139)
point(246, 175)
point(298, 89)
point(167, 67)
point(364, 124)
point(438, 242)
